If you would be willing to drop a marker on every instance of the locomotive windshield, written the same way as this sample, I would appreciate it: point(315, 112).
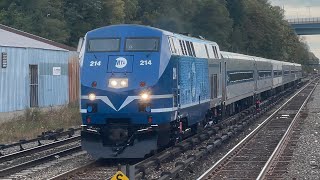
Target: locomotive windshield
point(142, 44)
point(104, 45)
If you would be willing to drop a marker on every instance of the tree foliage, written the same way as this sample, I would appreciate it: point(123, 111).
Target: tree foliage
point(248, 26)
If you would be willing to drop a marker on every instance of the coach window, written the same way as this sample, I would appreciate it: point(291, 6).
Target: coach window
point(104, 45)
point(234, 77)
point(276, 73)
point(264, 74)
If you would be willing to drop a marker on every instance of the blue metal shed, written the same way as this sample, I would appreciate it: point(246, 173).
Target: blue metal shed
point(33, 71)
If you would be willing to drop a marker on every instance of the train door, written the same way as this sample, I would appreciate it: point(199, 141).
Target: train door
point(256, 75)
point(176, 89)
point(33, 79)
point(175, 75)
point(224, 89)
point(224, 81)
point(214, 86)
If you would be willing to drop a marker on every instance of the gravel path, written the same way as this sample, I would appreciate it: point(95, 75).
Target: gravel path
point(305, 163)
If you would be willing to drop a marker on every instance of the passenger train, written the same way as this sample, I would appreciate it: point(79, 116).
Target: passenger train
point(142, 88)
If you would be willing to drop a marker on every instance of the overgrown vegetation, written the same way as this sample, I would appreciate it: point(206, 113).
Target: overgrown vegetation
point(246, 26)
point(33, 122)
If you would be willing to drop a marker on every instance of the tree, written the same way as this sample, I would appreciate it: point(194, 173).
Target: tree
point(213, 22)
point(253, 27)
point(113, 12)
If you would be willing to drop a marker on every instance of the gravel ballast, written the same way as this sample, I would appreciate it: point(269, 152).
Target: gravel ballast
point(305, 162)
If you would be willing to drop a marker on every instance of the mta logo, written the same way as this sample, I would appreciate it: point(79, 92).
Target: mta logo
point(121, 62)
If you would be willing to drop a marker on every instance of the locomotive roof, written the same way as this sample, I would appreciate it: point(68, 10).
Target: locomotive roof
point(192, 39)
point(136, 26)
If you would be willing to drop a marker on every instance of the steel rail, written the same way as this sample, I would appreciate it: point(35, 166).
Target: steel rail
point(17, 168)
point(26, 152)
point(284, 138)
point(248, 137)
point(234, 124)
point(45, 136)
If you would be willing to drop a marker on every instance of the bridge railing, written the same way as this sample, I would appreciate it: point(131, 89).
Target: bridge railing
point(304, 20)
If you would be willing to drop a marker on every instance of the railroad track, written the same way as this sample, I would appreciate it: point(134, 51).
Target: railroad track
point(21, 160)
point(45, 136)
point(92, 170)
point(278, 164)
point(170, 162)
point(219, 133)
point(262, 145)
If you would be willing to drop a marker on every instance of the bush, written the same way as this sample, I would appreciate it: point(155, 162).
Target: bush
point(35, 121)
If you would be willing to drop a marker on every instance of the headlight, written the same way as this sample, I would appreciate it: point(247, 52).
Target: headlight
point(92, 97)
point(123, 83)
point(118, 83)
point(145, 96)
point(114, 83)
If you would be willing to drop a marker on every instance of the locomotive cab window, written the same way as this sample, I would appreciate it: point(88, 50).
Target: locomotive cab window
point(104, 45)
point(142, 44)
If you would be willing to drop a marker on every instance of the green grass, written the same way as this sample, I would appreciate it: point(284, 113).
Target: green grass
point(34, 121)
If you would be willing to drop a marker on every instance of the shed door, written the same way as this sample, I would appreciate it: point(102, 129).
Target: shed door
point(33, 79)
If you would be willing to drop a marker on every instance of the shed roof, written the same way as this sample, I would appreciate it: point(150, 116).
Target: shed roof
point(15, 38)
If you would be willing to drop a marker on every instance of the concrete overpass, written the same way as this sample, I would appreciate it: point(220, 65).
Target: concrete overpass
point(306, 26)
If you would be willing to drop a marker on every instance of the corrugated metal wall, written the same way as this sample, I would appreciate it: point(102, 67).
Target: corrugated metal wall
point(15, 80)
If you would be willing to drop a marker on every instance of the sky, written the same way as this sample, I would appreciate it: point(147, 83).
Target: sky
point(302, 9)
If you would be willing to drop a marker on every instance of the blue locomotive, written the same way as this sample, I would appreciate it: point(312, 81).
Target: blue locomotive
point(143, 88)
